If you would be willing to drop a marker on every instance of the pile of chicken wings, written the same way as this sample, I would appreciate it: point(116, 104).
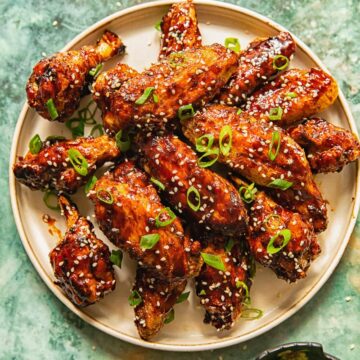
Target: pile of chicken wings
point(214, 150)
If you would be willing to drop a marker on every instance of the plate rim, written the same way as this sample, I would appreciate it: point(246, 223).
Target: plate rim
point(215, 344)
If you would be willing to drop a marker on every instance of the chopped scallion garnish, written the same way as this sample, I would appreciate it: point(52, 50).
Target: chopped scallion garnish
point(97, 128)
point(286, 237)
point(158, 183)
point(78, 161)
point(116, 257)
point(142, 99)
point(229, 245)
point(186, 112)
point(148, 241)
point(251, 314)
point(275, 114)
point(52, 109)
point(202, 292)
point(291, 95)
point(184, 296)
point(105, 196)
point(280, 184)
point(193, 198)
point(35, 144)
point(170, 218)
point(51, 200)
point(239, 112)
point(76, 126)
point(157, 26)
point(94, 72)
point(123, 144)
point(247, 193)
point(275, 142)
point(273, 221)
point(135, 298)
point(213, 261)
point(200, 142)
point(203, 163)
point(90, 184)
point(233, 44)
point(170, 317)
point(225, 140)
point(240, 284)
point(280, 62)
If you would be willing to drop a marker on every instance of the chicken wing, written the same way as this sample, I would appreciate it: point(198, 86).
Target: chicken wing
point(158, 296)
point(81, 261)
point(53, 167)
point(223, 292)
point(202, 195)
point(58, 82)
point(131, 215)
point(160, 92)
point(293, 96)
point(179, 29)
point(256, 67)
point(252, 140)
point(328, 147)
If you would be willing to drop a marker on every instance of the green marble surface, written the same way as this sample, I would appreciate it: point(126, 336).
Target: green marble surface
point(33, 323)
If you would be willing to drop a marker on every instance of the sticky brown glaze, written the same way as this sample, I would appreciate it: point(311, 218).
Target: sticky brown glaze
point(249, 157)
point(179, 29)
point(256, 67)
point(315, 91)
point(158, 299)
point(268, 218)
point(81, 262)
point(173, 163)
point(52, 169)
point(64, 77)
point(132, 213)
point(220, 292)
point(328, 147)
point(194, 79)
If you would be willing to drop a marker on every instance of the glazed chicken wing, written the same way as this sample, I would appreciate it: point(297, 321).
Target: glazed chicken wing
point(328, 147)
point(156, 95)
point(131, 215)
point(179, 29)
point(202, 195)
point(58, 82)
point(249, 157)
point(65, 165)
point(293, 96)
point(81, 261)
point(223, 293)
point(258, 63)
point(158, 296)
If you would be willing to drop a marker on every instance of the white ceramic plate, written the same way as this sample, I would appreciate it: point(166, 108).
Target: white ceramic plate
point(279, 300)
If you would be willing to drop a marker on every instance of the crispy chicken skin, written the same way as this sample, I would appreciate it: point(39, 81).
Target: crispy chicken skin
point(64, 77)
point(311, 91)
point(194, 78)
point(249, 157)
point(173, 163)
point(328, 147)
point(81, 262)
point(256, 67)
point(221, 293)
point(52, 169)
point(158, 298)
point(130, 212)
point(179, 28)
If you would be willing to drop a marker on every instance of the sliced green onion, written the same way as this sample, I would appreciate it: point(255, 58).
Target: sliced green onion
point(210, 162)
point(225, 132)
point(97, 128)
point(54, 138)
point(157, 26)
point(186, 112)
point(268, 221)
point(285, 234)
point(229, 245)
point(160, 223)
point(200, 147)
point(240, 284)
point(48, 199)
point(291, 95)
point(239, 112)
point(116, 257)
point(35, 144)
point(275, 113)
point(282, 59)
point(149, 241)
point(86, 115)
point(155, 98)
point(183, 297)
point(123, 145)
point(105, 196)
point(76, 126)
point(52, 109)
point(170, 317)
point(78, 161)
point(158, 183)
point(177, 59)
point(233, 44)
point(275, 140)
point(251, 314)
point(213, 261)
point(94, 72)
point(135, 298)
point(247, 193)
point(195, 206)
point(202, 292)
point(147, 92)
point(280, 184)
point(90, 184)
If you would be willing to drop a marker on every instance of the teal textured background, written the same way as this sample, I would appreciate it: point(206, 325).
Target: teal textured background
point(33, 323)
